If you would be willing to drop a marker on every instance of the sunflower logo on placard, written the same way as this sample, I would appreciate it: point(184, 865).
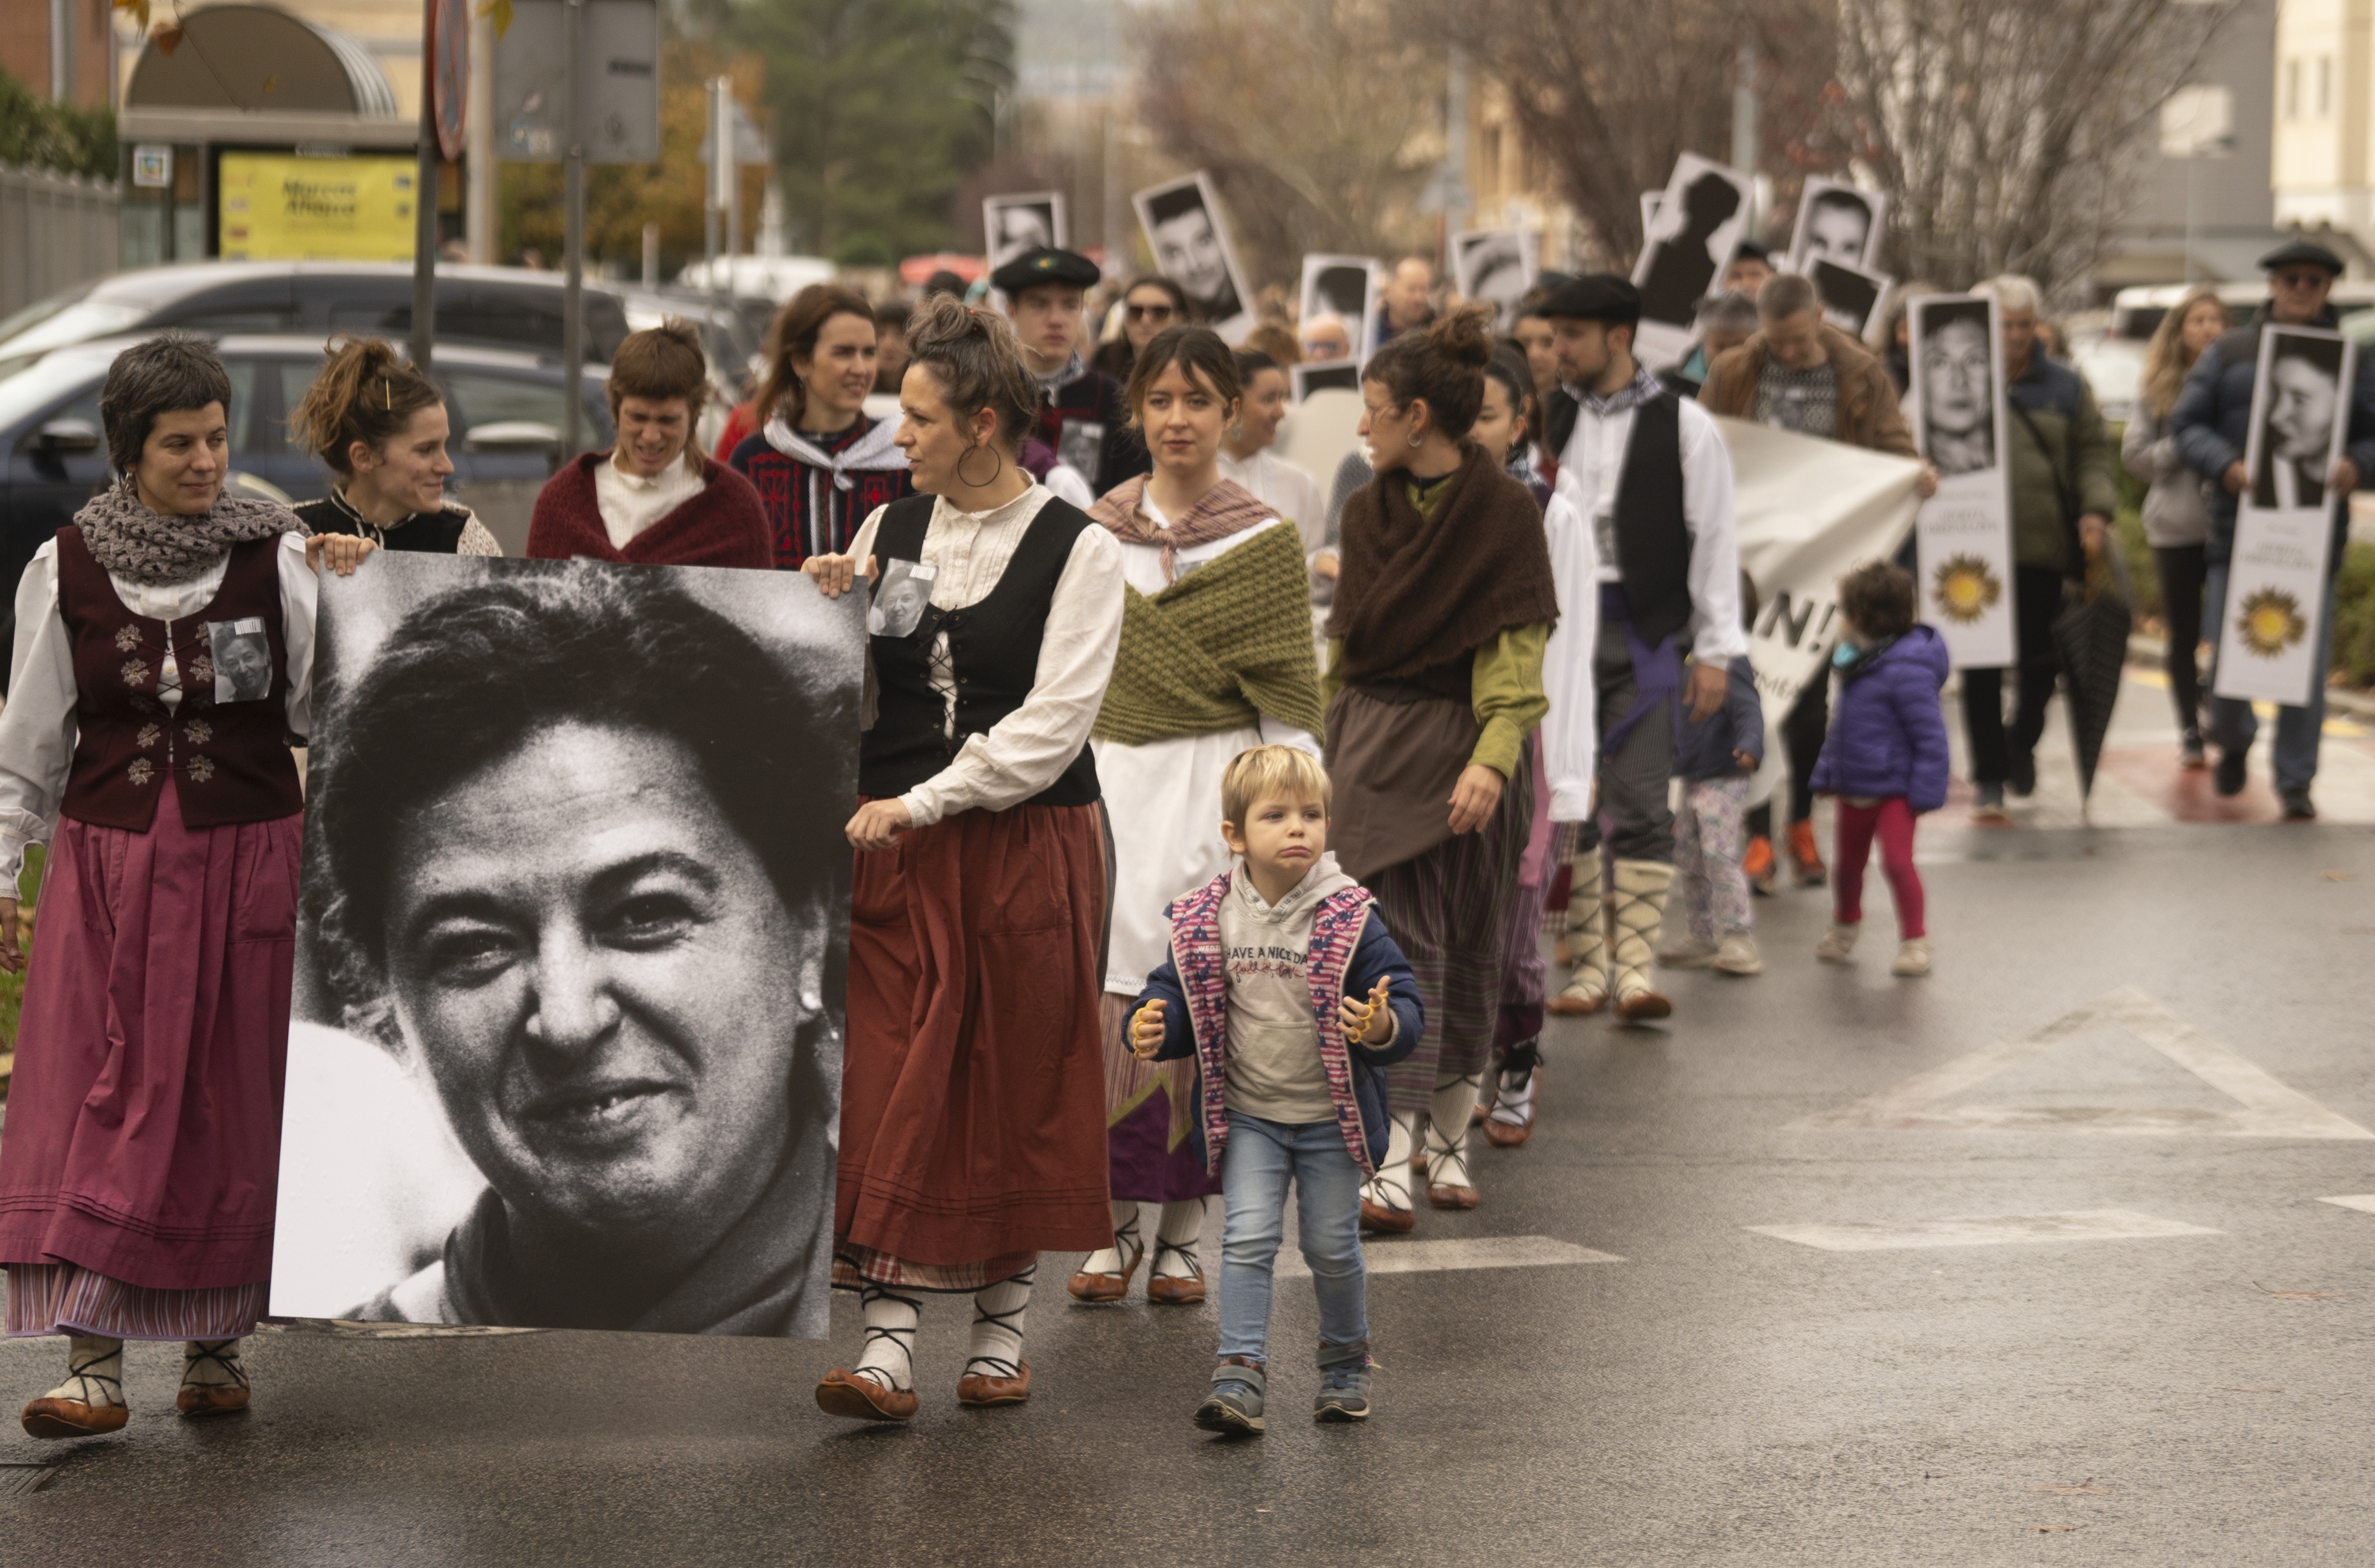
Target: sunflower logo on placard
point(1967, 589)
point(2270, 622)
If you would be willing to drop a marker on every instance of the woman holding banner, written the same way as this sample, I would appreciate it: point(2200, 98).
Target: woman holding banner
point(138, 1175)
point(1215, 658)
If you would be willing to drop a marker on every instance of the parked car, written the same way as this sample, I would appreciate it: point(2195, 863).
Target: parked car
point(497, 307)
point(506, 409)
point(2136, 310)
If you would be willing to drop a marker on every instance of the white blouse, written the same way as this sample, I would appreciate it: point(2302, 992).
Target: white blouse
point(1028, 749)
point(630, 503)
point(37, 727)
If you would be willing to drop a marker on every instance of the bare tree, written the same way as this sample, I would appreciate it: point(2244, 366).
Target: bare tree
point(2002, 129)
point(1318, 120)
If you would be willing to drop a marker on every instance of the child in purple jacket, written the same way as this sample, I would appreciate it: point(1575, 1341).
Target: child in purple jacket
point(1885, 757)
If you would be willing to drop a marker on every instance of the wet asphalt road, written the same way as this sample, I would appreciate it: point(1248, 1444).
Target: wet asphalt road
point(1719, 1395)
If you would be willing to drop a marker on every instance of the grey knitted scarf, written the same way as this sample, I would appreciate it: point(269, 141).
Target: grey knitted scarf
point(131, 540)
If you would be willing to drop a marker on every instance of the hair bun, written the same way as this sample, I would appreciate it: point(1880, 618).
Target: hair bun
point(1464, 336)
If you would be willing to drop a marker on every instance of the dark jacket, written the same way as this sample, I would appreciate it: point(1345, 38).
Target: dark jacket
point(2062, 436)
point(1889, 731)
point(1868, 412)
point(1705, 748)
point(2212, 423)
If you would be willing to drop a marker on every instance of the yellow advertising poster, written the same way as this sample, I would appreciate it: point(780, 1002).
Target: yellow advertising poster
point(277, 207)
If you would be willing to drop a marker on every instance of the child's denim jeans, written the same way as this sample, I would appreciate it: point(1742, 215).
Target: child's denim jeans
point(1260, 1158)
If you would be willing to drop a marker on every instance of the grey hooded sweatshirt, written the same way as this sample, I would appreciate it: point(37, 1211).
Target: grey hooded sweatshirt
point(1273, 1052)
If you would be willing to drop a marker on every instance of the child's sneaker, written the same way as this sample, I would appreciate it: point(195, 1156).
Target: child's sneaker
point(1690, 952)
point(1763, 875)
point(1234, 1405)
point(1343, 1383)
point(1806, 858)
point(1738, 956)
point(1912, 957)
point(1838, 947)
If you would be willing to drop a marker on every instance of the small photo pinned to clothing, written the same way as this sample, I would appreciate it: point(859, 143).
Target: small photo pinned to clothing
point(1081, 443)
point(899, 598)
point(242, 658)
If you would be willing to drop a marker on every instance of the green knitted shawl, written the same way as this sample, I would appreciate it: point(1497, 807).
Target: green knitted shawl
point(1230, 639)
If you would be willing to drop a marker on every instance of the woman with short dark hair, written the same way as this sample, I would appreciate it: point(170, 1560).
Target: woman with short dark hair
point(380, 427)
point(1149, 304)
point(653, 499)
point(972, 1124)
point(144, 740)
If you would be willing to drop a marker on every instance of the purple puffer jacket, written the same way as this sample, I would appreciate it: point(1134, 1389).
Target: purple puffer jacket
point(1888, 734)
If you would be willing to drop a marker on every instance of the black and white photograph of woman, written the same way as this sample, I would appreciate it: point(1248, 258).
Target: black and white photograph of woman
point(1018, 223)
point(1838, 223)
point(2295, 439)
point(900, 598)
point(242, 658)
point(576, 900)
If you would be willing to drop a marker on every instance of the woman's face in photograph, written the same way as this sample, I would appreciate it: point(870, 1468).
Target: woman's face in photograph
point(1188, 250)
point(2301, 418)
point(1954, 377)
point(603, 982)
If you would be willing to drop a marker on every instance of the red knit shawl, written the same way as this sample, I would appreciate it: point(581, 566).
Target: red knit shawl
point(724, 525)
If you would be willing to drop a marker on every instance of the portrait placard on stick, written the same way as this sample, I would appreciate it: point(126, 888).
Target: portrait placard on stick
point(1698, 226)
point(1852, 296)
point(1963, 531)
point(2274, 614)
point(573, 948)
point(1347, 289)
point(1496, 265)
point(1013, 224)
point(1840, 223)
point(1308, 378)
point(1183, 224)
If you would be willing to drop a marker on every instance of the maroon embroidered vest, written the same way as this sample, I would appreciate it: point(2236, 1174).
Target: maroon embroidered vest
point(223, 744)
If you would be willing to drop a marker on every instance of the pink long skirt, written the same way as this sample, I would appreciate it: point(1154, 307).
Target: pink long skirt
point(142, 1141)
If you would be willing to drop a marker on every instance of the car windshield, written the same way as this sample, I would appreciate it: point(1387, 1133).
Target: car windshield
point(48, 381)
point(78, 322)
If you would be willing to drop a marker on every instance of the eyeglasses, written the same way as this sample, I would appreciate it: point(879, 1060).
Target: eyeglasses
point(1150, 313)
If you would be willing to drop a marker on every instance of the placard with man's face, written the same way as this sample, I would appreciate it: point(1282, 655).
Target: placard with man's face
point(1183, 226)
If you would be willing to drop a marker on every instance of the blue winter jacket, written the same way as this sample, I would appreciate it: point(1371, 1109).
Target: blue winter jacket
point(1376, 957)
point(2212, 424)
point(1706, 747)
point(1888, 730)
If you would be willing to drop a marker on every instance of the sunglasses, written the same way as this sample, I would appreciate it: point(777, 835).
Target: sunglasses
point(1150, 313)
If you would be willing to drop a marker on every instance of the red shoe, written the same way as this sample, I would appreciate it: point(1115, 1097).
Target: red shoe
point(1758, 863)
point(1805, 859)
point(50, 1418)
point(980, 1390)
point(1095, 1288)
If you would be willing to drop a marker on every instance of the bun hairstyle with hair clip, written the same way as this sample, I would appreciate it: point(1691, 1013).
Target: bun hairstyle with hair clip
point(366, 393)
point(1443, 365)
point(975, 358)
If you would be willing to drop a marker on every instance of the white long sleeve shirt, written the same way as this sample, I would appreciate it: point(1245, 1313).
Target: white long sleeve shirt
point(1594, 461)
point(1028, 749)
point(37, 727)
point(1571, 729)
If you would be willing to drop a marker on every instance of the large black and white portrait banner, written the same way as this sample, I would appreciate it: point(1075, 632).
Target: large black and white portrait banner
point(573, 948)
point(1699, 227)
point(1965, 531)
point(2274, 614)
point(1838, 223)
point(1183, 224)
point(1346, 287)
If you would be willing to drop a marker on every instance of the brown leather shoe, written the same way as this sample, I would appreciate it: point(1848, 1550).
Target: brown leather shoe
point(71, 1417)
point(1095, 1288)
point(1643, 1005)
point(981, 1391)
point(198, 1400)
point(1382, 1216)
point(1565, 1005)
point(1167, 1290)
point(863, 1400)
point(1452, 1197)
point(1504, 1135)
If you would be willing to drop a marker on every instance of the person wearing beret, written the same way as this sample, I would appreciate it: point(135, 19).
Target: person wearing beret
point(1646, 469)
point(2212, 425)
point(1083, 419)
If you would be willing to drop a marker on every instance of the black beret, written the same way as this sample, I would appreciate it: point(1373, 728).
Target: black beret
point(1044, 264)
point(1599, 296)
point(2301, 253)
point(1752, 249)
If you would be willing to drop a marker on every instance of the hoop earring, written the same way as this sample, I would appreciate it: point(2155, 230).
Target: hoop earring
point(1418, 441)
point(995, 456)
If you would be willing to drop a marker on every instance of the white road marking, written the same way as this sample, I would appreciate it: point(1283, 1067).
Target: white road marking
point(2364, 1202)
point(1430, 1257)
point(2269, 1108)
point(2079, 1225)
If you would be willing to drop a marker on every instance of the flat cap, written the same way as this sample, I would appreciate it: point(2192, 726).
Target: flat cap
point(1043, 266)
point(1598, 296)
point(2302, 253)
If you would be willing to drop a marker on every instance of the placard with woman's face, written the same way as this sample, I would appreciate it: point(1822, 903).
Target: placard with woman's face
point(1013, 224)
point(573, 947)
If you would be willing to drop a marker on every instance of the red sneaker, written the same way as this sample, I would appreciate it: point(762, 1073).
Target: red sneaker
point(1758, 864)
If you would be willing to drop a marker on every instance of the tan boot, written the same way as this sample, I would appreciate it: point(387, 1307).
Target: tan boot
point(1587, 986)
point(1640, 910)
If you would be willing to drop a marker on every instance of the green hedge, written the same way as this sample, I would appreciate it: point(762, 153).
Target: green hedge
point(38, 133)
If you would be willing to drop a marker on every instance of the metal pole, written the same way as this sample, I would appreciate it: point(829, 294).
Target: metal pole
point(573, 292)
point(2192, 159)
point(720, 156)
point(424, 194)
point(1743, 101)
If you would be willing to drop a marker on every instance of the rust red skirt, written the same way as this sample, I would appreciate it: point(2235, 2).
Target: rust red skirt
point(973, 1124)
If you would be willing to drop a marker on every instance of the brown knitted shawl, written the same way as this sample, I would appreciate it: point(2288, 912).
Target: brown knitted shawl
point(127, 538)
point(1227, 508)
point(1417, 593)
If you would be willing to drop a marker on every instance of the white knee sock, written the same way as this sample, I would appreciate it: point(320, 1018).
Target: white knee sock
point(212, 1363)
point(997, 1315)
point(1126, 1242)
point(94, 1370)
point(1515, 1102)
point(1175, 1252)
point(890, 1320)
point(1391, 1185)
point(1447, 1132)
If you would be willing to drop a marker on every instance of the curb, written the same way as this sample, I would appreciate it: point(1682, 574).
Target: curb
point(2150, 651)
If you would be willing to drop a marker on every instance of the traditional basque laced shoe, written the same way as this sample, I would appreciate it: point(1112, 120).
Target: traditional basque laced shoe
point(90, 1403)
point(1805, 856)
point(213, 1381)
point(1234, 1407)
point(1170, 1289)
point(1095, 1286)
point(982, 1390)
point(861, 1398)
